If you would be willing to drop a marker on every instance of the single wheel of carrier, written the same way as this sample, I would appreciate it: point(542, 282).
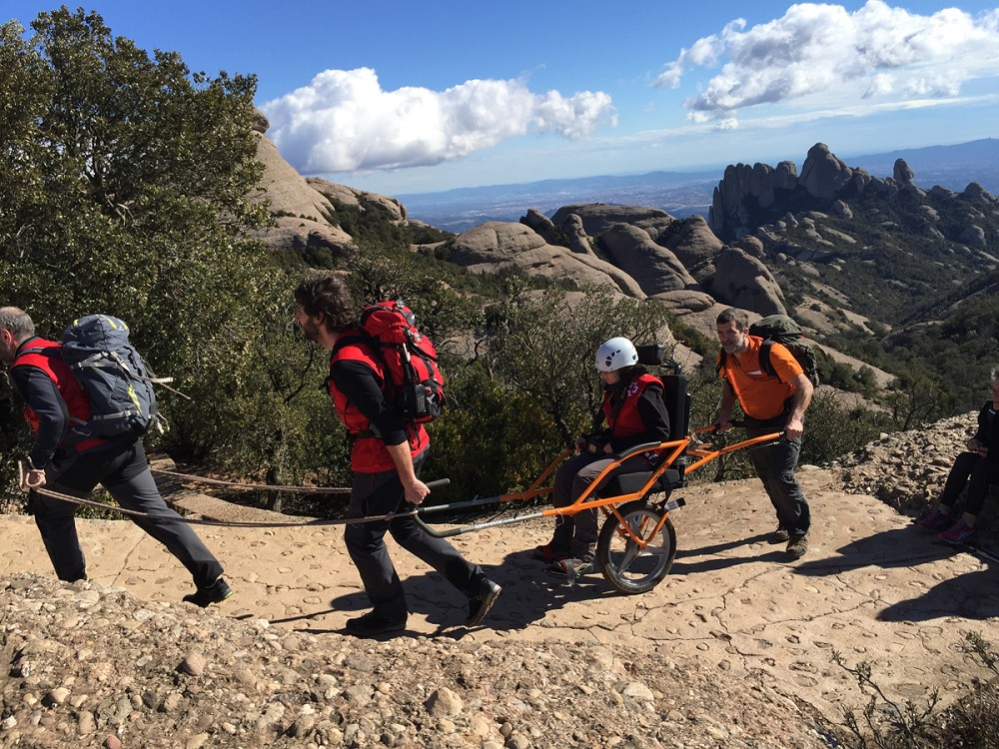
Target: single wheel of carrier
point(628, 566)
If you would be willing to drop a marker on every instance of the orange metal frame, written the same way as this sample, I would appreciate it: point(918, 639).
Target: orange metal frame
point(609, 505)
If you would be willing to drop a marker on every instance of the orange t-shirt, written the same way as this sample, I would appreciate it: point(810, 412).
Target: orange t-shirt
point(761, 396)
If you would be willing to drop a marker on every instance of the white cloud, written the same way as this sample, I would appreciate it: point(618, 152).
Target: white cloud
point(343, 121)
point(818, 55)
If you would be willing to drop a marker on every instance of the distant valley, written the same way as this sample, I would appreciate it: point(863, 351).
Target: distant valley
point(681, 194)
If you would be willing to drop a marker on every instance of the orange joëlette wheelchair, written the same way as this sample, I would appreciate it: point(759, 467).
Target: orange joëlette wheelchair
point(637, 543)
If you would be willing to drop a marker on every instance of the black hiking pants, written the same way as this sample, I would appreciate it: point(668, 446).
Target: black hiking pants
point(775, 465)
point(975, 472)
point(381, 493)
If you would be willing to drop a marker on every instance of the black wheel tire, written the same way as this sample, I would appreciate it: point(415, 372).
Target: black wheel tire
point(622, 565)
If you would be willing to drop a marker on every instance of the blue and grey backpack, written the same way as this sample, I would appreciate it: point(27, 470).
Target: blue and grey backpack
point(117, 380)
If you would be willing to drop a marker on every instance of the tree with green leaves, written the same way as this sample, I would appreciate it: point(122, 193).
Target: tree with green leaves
point(126, 186)
point(544, 344)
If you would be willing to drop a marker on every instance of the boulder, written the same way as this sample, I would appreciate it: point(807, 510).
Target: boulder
point(691, 241)
point(364, 200)
point(285, 189)
point(902, 173)
point(599, 217)
point(654, 267)
point(941, 193)
point(259, 123)
point(305, 235)
point(743, 281)
point(697, 309)
point(540, 224)
point(823, 175)
point(495, 245)
point(976, 192)
point(841, 209)
point(752, 246)
point(973, 236)
point(576, 234)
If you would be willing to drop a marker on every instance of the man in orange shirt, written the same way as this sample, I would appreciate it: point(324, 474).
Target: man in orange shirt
point(770, 403)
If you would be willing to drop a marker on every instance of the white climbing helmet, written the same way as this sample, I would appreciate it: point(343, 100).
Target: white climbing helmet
point(616, 354)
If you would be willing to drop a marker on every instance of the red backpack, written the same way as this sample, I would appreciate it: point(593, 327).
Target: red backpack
point(416, 385)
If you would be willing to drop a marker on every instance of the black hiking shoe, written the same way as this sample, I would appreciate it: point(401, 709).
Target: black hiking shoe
point(483, 600)
point(217, 592)
point(797, 546)
point(779, 536)
point(373, 624)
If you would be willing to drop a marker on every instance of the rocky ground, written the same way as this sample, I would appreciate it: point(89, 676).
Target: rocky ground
point(733, 649)
point(907, 470)
point(91, 666)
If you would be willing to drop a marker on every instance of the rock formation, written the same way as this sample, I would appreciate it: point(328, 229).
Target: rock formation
point(823, 175)
point(494, 245)
point(302, 209)
point(743, 281)
point(691, 240)
point(599, 217)
point(656, 269)
point(902, 173)
point(770, 202)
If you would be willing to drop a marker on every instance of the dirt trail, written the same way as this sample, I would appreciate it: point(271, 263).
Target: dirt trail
point(872, 587)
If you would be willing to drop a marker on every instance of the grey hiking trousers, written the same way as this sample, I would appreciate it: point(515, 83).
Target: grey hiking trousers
point(123, 469)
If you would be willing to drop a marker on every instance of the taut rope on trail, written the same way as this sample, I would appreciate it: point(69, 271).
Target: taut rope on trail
point(221, 523)
point(254, 487)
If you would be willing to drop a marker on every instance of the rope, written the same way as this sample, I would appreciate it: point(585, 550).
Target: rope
point(221, 523)
point(260, 487)
point(198, 521)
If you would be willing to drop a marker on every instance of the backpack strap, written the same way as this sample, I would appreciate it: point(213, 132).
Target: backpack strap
point(359, 336)
point(722, 360)
point(766, 365)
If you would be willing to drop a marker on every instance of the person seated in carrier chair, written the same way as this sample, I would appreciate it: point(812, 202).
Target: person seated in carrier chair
point(977, 469)
point(635, 412)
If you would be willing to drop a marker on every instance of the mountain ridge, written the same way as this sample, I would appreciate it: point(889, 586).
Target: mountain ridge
point(681, 193)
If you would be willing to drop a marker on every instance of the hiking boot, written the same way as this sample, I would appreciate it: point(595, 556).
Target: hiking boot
point(797, 546)
point(547, 553)
point(959, 533)
point(217, 592)
point(779, 536)
point(482, 601)
point(570, 568)
point(936, 521)
point(373, 623)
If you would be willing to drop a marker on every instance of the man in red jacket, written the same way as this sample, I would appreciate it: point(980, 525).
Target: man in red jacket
point(64, 463)
point(386, 456)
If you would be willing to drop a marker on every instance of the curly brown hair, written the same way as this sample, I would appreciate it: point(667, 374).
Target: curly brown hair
point(325, 294)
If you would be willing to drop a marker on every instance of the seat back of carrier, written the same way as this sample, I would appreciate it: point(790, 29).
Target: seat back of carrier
point(677, 401)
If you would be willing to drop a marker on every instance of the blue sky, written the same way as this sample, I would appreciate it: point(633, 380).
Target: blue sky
point(404, 97)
